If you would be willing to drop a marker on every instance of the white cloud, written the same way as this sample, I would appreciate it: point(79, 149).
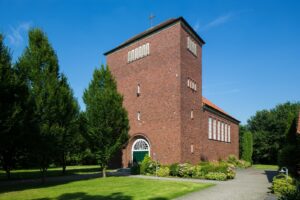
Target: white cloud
point(218, 21)
point(196, 26)
point(15, 35)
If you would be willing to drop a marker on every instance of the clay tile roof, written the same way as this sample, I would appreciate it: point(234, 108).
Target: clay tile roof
point(298, 125)
point(207, 102)
point(155, 29)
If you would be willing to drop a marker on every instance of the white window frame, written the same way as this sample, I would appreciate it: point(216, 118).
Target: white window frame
point(225, 132)
point(222, 132)
point(214, 129)
point(210, 128)
point(229, 134)
point(219, 131)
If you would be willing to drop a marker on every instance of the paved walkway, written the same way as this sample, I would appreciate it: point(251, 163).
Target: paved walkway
point(249, 184)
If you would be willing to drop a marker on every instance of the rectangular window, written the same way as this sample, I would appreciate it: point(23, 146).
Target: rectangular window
point(214, 130)
point(192, 148)
point(139, 52)
point(192, 84)
point(229, 133)
point(225, 132)
point(191, 45)
point(209, 128)
point(219, 131)
point(222, 131)
point(138, 92)
point(192, 114)
point(138, 115)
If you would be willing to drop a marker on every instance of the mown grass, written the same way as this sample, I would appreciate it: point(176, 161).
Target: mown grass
point(265, 167)
point(111, 188)
point(52, 172)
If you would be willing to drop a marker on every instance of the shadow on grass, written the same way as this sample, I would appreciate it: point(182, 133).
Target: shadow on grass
point(34, 174)
point(84, 196)
point(270, 175)
point(52, 181)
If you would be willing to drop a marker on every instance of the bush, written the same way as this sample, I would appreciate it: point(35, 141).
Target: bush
point(232, 159)
point(247, 146)
point(198, 172)
point(281, 185)
point(163, 171)
point(185, 170)
point(135, 169)
point(216, 176)
point(174, 169)
point(295, 195)
point(148, 166)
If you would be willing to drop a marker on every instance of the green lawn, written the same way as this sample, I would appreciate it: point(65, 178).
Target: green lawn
point(265, 167)
point(111, 188)
point(35, 173)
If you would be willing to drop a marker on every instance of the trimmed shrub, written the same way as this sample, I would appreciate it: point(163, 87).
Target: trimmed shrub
point(216, 176)
point(174, 169)
point(281, 185)
point(148, 166)
point(163, 171)
point(247, 146)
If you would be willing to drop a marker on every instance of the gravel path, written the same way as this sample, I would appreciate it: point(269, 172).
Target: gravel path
point(249, 184)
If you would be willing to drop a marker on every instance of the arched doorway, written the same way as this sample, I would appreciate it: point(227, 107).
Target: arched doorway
point(140, 149)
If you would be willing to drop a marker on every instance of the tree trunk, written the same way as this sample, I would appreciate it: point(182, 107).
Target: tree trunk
point(43, 175)
point(104, 172)
point(7, 173)
point(64, 164)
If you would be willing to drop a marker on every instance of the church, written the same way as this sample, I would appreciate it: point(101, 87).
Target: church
point(159, 73)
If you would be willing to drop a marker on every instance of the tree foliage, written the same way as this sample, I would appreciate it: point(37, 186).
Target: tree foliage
point(289, 155)
point(15, 111)
point(269, 129)
point(55, 108)
point(68, 118)
point(107, 120)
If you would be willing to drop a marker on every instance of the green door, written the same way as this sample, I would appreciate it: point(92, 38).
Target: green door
point(138, 156)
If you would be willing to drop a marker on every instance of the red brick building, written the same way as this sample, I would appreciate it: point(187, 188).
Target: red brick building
point(159, 72)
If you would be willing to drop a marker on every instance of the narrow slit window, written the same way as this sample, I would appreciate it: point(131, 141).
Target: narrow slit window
point(209, 128)
point(138, 91)
point(139, 116)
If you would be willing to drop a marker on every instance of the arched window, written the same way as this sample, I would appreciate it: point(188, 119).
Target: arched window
point(140, 149)
point(140, 145)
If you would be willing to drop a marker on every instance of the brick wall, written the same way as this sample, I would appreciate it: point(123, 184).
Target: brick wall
point(166, 102)
point(159, 103)
point(213, 149)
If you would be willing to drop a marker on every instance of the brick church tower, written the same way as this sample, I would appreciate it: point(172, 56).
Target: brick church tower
point(159, 72)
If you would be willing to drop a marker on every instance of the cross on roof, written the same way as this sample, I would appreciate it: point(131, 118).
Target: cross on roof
point(151, 17)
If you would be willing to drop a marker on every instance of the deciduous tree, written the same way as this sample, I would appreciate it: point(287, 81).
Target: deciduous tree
point(106, 117)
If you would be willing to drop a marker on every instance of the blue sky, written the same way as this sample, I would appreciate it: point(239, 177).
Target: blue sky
point(251, 59)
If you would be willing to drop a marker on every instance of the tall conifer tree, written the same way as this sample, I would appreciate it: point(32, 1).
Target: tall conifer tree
point(40, 65)
point(68, 116)
point(107, 119)
point(14, 118)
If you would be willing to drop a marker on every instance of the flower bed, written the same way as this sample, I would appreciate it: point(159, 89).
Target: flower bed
point(217, 170)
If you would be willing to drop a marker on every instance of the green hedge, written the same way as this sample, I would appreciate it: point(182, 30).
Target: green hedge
point(247, 146)
point(221, 170)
